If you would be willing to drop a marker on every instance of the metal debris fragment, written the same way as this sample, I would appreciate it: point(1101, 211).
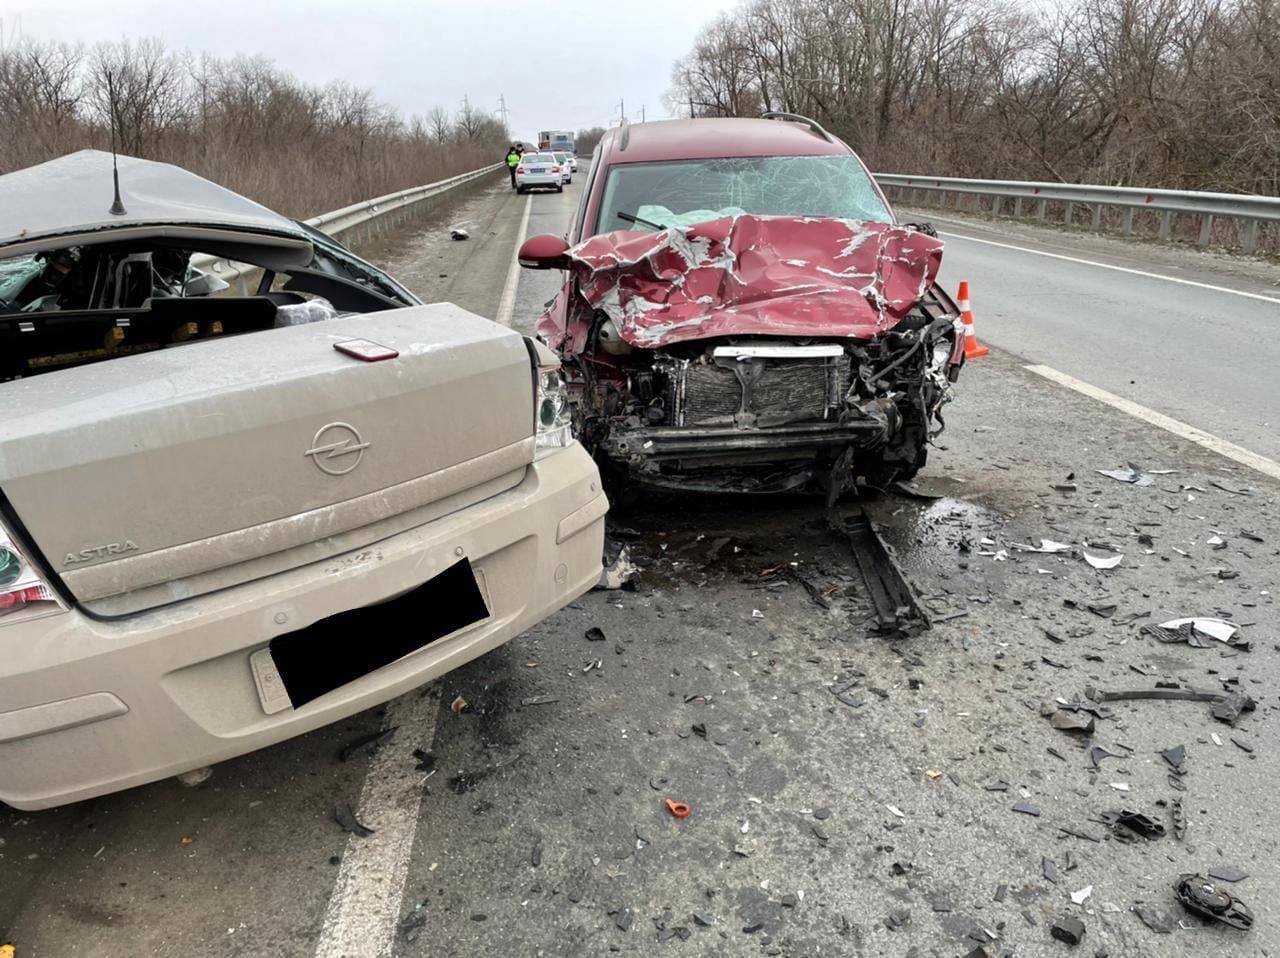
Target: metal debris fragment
point(1201, 897)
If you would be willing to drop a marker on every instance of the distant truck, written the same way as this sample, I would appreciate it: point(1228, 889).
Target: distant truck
point(557, 140)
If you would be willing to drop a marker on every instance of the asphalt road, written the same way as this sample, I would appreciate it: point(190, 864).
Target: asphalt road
point(880, 824)
point(1190, 334)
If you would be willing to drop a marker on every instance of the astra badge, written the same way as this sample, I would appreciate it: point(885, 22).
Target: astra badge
point(90, 553)
point(337, 448)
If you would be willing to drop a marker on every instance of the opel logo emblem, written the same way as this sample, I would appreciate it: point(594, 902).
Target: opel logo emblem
point(337, 448)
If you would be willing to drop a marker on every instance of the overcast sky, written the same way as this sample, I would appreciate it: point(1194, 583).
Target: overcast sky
point(560, 65)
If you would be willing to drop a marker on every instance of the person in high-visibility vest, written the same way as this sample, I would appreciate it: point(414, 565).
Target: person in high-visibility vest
point(513, 160)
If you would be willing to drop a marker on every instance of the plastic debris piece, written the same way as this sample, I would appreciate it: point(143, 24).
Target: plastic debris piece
point(1125, 825)
point(8, 951)
point(1079, 897)
point(1177, 758)
point(1132, 475)
point(1049, 869)
point(1201, 897)
point(458, 233)
point(457, 705)
point(1228, 873)
point(1196, 631)
point(1158, 921)
point(1068, 929)
point(1179, 818)
point(678, 809)
point(621, 573)
point(1046, 545)
point(1066, 721)
point(895, 810)
point(1101, 561)
point(1026, 808)
point(1120, 786)
point(594, 634)
point(345, 817)
point(1225, 707)
point(365, 745)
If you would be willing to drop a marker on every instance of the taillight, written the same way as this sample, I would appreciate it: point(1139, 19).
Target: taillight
point(554, 429)
point(21, 586)
point(555, 169)
point(519, 169)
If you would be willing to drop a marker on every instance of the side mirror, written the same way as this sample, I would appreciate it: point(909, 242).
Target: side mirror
point(544, 251)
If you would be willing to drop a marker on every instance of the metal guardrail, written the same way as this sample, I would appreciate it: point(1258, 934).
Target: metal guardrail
point(364, 219)
point(1248, 210)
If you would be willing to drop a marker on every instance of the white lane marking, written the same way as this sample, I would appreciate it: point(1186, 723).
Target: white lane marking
point(507, 305)
point(364, 910)
point(1112, 266)
point(1211, 442)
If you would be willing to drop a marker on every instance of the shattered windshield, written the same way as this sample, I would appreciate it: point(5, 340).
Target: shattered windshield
point(695, 191)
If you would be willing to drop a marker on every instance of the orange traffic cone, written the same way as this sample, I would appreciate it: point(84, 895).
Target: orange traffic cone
point(972, 348)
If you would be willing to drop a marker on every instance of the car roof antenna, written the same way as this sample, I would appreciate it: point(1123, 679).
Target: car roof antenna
point(117, 207)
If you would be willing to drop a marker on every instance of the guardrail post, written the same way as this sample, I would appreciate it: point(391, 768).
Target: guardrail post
point(1249, 242)
point(1071, 209)
point(1042, 208)
point(1126, 226)
point(1017, 206)
point(1206, 228)
point(1096, 223)
point(1166, 218)
point(959, 199)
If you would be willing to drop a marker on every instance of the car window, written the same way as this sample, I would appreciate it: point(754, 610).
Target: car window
point(693, 191)
point(559, 157)
point(538, 158)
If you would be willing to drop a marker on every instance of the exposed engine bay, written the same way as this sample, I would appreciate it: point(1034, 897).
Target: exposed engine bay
point(760, 354)
point(753, 414)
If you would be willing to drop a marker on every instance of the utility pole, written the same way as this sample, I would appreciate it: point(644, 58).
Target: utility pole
point(641, 112)
point(622, 111)
point(502, 110)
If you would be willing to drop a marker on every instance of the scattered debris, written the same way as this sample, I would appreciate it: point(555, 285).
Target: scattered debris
point(1068, 929)
point(1158, 921)
point(1026, 808)
point(620, 572)
point(594, 634)
point(1226, 706)
point(1197, 632)
point(1201, 897)
point(1102, 561)
point(1228, 873)
point(458, 233)
point(1068, 721)
point(678, 809)
point(898, 610)
point(345, 817)
point(1128, 826)
point(1132, 475)
point(1046, 545)
point(457, 705)
point(1179, 819)
point(366, 745)
point(1079, 897)
point(197, 776)
point(1177, 758)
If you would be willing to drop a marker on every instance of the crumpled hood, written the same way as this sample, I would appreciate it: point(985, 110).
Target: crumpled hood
point(749, 275)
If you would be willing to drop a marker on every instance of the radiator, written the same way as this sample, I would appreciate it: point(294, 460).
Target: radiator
point(759, 386)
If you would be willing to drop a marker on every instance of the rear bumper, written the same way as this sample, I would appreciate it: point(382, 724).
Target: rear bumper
point(90, 707)
point(547, 179)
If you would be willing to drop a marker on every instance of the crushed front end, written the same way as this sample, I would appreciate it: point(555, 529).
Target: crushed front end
point(785, 372)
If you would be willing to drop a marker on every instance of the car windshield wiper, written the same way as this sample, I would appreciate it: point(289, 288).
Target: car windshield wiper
point(632, 218)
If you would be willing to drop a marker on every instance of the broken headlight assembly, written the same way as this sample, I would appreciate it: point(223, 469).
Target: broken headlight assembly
point(554, 422)
point(22, 588)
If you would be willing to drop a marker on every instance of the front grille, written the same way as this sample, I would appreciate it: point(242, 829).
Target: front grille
point(757, 391)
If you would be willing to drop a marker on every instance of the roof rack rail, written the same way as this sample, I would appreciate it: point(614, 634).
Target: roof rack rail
point(624, 136)
point(812, 124)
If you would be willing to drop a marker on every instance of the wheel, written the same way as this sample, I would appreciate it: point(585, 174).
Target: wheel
point(519, 189)
point(560, 188)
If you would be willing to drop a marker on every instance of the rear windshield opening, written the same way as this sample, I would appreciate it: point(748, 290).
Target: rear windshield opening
point(684, 192)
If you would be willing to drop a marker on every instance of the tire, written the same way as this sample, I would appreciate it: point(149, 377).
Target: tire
point(560, 188)
point(519, 189)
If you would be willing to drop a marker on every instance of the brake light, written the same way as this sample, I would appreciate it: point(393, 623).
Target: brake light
point(21, 586)
point(519, 169)
point(555, 169)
